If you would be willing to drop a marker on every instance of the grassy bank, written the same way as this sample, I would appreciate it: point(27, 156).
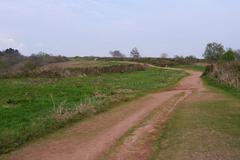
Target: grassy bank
point(225, 73)
point(33, 107)
point(206, 126)
point(222, 86)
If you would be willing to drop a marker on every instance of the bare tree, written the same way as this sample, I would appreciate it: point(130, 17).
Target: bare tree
point(117, 54)
point(164, 55)
point(237, 52)
point(135, 53)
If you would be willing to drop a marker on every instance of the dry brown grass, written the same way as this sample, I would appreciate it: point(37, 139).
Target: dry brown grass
point(228, 73)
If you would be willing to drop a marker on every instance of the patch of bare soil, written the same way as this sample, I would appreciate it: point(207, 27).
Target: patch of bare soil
point(90, 139)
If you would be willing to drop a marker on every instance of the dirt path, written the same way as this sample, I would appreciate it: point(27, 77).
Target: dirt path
point(92, 138)
point(138, 145)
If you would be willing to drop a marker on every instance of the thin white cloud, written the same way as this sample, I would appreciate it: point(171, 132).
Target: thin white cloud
point(10, 43)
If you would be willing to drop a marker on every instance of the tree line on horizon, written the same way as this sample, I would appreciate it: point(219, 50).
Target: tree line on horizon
point(217, 52)
point(213, 52)
point(134, 53)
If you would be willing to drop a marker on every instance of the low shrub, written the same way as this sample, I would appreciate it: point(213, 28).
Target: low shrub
point(72, 72)
point(161, 62)
point(13, 62)
point(228, 73)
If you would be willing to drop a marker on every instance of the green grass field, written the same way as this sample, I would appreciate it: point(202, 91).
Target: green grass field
point(191, 67)
point(95, 63)
point(33, 107)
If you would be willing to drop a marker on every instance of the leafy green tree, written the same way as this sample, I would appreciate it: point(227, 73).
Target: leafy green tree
point(135, 53)
point(230, 55)
point(213, 51)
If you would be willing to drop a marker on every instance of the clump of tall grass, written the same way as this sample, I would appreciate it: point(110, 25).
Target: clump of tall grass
point(62, 112)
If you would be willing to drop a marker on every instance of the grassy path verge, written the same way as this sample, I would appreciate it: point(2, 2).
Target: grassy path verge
point(205, 126)
point(225, 88)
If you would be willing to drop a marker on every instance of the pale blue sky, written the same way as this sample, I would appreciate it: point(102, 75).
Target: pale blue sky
point(94, 27)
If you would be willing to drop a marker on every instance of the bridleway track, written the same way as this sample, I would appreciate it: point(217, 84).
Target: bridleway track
point(95, 137)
